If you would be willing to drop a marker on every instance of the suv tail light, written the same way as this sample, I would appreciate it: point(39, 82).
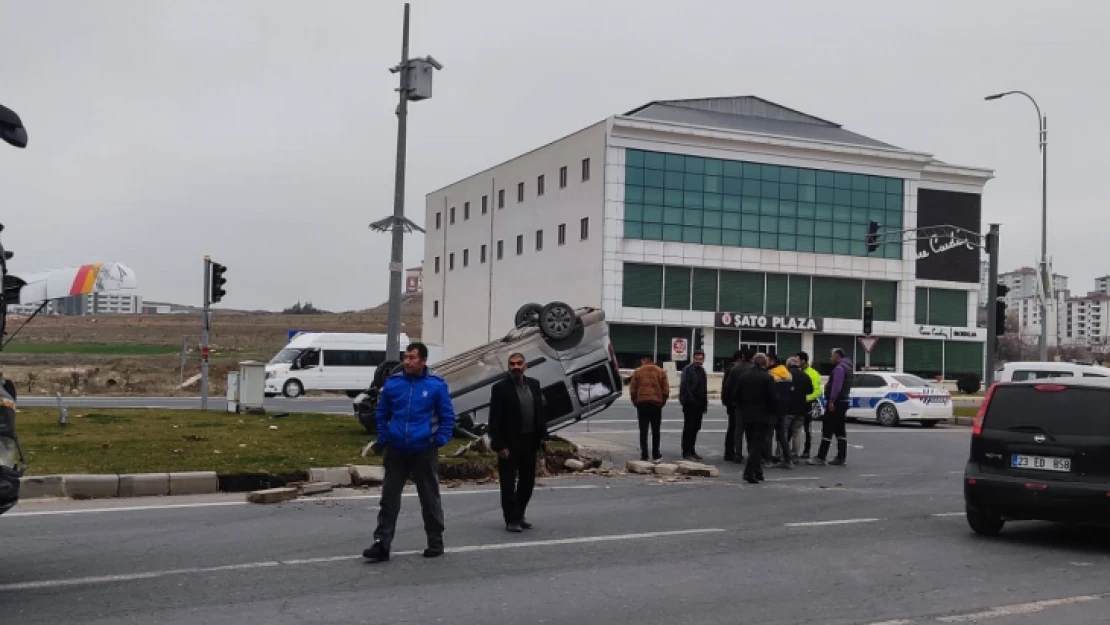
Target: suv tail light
point(1049, 388)
point(977, 425)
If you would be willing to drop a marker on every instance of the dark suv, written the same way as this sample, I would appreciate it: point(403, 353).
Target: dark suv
point(1040, 450)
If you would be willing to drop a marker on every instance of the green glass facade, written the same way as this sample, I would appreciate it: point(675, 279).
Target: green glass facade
point(689, 199)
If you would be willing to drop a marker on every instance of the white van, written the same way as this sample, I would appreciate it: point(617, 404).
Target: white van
point(327, 361)
point(1020, 371)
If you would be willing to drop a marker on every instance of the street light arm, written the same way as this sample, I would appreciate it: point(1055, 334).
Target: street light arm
point(1040, 117)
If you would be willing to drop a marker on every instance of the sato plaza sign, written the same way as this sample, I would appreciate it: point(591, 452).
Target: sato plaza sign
point(768, 322)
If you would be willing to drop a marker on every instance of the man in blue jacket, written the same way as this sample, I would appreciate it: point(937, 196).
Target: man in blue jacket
point(415, 419)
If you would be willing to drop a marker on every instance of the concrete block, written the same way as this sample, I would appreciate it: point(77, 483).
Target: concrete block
point(336, 476)
point(574, 465)
point(194, 483)
point(664, 468)
point(144, 485)
point(640, 466)
point(314, 488)
point(91, 486)
point(39, 486)
point(697, 469)
point(363, 474)
point(272, 495)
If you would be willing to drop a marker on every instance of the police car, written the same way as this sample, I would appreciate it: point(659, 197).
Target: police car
point(890, 398)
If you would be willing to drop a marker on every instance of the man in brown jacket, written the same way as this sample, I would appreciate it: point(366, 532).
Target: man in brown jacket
point(649, 391)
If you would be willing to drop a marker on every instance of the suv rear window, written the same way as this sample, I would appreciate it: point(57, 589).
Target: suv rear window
point(1070, 412)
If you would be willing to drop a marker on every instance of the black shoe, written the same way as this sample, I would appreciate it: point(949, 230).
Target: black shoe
point(837, 462)
point(697, 457)
point(525, 524)
point(751, 480)
point(739, 460)
point(433, 552)
point(656, 456)
point(689, 457)
point(644, 457)
point(730, 457)
point(514, 527)
point(376, 553)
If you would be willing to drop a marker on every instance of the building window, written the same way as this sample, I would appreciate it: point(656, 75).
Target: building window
point(438, 220)
point(437, 264)
point(500, 250)
point(501, 199)
point(435, 308)
point(941, 307)
point(466, 258)
point(563, 177)
point(539, 240)
point(584, 228)
point(585, 169)
point(485, 204)
point(539, 185)
point(451, 219)
point(519, 244)
point(483, 254)
point(519, 192)
point(466, 211)
point(687, 199)
point(562, 234)
point(451, 261)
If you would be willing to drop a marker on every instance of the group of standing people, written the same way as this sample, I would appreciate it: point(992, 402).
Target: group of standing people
point(770, 405)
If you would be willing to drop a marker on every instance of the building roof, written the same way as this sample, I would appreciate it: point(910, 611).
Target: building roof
point(752, 114)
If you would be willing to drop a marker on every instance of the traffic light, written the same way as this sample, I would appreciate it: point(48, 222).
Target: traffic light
point(1000, 310)
point(868, 317)
point(699, 340)
point(872, 236)
point(218, 282)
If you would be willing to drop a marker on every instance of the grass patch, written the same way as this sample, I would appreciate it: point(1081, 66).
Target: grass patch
point(91, 349)
point(965, 411)
point(159, 441)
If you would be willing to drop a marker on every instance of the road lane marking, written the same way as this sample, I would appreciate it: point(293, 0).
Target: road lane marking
point(217, 504)
point(824, 523)
point(1018, 608)
point(949, 514)
point(130, 577)
point(580, 429)
point(894, 622)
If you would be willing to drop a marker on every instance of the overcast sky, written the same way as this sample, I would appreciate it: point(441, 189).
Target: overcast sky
point(263, 131)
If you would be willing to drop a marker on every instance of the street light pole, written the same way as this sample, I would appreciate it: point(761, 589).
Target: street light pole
point(416, 85)
point(1046, 281)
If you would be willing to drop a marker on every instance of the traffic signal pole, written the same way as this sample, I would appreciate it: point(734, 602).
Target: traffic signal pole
point(994, 324)
point(205, 322)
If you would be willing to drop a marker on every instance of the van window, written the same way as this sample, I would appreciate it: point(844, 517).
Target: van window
point(1093, 375)
point(1029, 374)
point(1071, 412)
point(311, 358)
point(353, 358)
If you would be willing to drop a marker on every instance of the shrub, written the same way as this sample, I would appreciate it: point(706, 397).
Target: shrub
point(968, 383)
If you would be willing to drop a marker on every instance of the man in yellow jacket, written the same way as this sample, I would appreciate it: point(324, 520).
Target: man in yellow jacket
point(784, 388)
point(811, 398)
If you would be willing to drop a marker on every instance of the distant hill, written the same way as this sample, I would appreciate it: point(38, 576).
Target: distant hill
point(412, 306)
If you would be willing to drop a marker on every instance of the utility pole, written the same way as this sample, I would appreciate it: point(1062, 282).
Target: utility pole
point(415, 85)
point(992, 307)
point(205, 322)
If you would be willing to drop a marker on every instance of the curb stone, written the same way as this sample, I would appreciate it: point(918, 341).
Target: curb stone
point(106, 486)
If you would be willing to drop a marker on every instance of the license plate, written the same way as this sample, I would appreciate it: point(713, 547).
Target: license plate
point(1040, 463)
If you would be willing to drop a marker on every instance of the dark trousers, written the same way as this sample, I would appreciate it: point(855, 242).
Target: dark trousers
point(691, 425)
point(650, 417)
point(423, 468)
point(782, 436)
point(517, 474)
point(809, 431)
point(757, 434)
point(834, 423)
point(730, 435)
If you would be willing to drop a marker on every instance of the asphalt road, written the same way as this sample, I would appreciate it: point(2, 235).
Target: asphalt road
point(880, 541)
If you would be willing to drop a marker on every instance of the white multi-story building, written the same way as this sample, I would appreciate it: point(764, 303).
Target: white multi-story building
point(100, 304)
point(1023, 284)
point(735, 220)
point(1102, 285)
point(1086, 320)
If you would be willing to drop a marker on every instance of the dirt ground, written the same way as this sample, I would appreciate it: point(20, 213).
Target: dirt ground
point(141, 354)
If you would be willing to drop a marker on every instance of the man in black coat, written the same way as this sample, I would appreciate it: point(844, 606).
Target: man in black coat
point(757, 403)
point(517, 431)
point(734, 435)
